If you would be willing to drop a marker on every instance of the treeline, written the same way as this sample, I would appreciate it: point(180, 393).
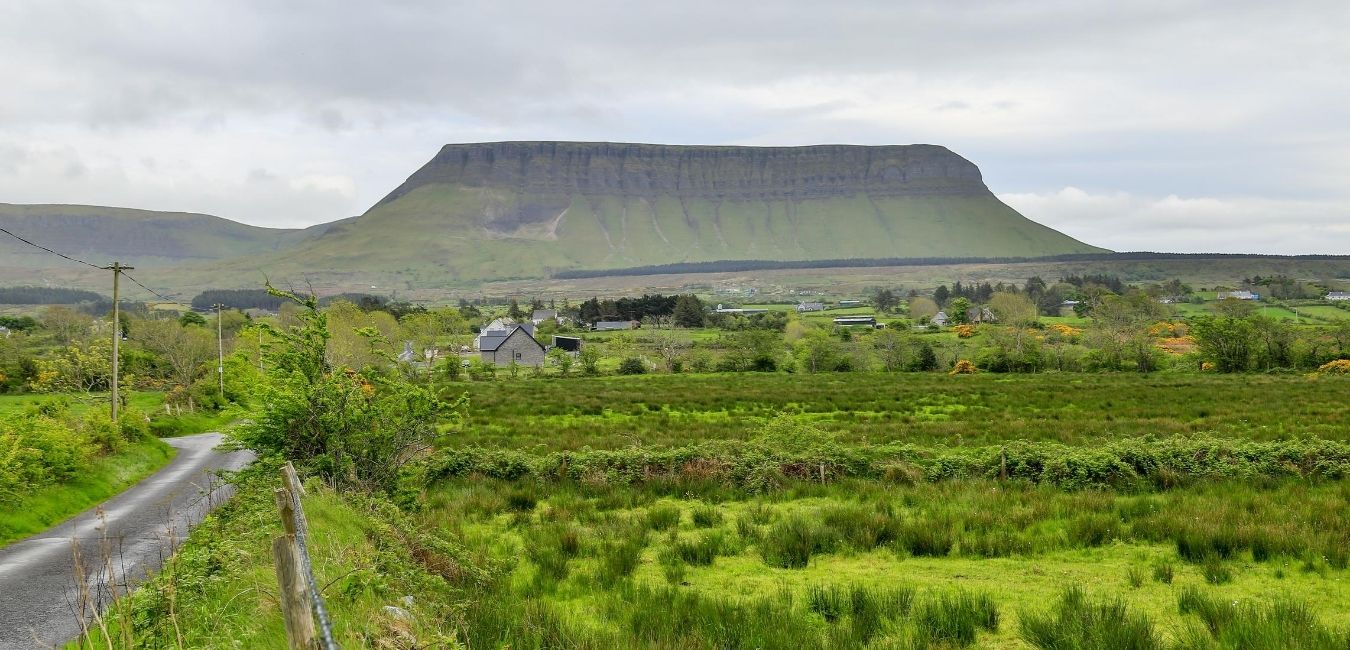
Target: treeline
point(237, 299)
point(684, 310)
point(726, 266)
point(49, 296)
point(261, 299)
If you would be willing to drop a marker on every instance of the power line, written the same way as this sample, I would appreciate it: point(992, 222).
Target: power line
point(61, 255)
point(157, 294)
point(79, 261)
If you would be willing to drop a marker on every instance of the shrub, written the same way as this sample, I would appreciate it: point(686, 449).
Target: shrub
point(1337, 367)
point(964, 367)
point(632, 366)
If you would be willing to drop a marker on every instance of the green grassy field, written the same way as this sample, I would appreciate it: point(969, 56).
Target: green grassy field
point(876, 408)
point(823, 511)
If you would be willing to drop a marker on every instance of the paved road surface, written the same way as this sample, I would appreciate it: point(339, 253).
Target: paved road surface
point(40, 600)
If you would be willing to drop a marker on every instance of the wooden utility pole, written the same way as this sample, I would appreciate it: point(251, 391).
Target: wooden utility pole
point(117, 269)
point(220, 351)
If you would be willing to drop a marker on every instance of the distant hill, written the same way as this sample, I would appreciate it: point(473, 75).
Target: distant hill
point(140, 237)
point(529, 209)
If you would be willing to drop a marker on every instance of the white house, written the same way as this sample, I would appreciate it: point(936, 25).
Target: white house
point(1338, 295)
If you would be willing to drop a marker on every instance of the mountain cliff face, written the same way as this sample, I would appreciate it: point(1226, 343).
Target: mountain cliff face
point(526, 209)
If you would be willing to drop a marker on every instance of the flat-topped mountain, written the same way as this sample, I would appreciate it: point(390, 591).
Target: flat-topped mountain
point(506, 210)
point(527, 209)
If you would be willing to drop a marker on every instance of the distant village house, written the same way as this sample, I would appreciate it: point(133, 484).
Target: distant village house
point(1338, 295)
point(513, 345)
point(810, 306)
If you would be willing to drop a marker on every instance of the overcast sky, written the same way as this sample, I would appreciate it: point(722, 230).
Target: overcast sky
point(1170, 125)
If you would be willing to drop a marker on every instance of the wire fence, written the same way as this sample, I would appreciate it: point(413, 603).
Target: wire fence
point(302, 603)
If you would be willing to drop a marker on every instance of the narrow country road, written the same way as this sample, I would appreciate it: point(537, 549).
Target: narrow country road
point(41, 598)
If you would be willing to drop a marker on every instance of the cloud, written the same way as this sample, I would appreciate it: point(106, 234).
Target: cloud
point(1240, 101)
point(1125, 222)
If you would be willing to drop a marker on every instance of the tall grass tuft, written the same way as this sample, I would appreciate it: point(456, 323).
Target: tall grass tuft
point(953, 618)
point(790, 543)
point(1079, 623)
point(700, 551)
point(707, 516)
point(550, 547)
point(663, 517)
point(1282, 625)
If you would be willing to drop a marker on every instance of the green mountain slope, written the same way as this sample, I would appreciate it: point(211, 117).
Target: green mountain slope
point(526, 209)
point(139, 237)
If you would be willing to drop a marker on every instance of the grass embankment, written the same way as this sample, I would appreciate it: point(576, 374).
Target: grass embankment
point(151, 403)
point(219, 590)
point(107, 476)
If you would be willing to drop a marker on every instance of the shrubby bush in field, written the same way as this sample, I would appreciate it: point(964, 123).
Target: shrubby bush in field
point(354, 428)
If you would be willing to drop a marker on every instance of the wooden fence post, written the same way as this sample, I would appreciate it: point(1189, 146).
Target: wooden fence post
point(296, 610)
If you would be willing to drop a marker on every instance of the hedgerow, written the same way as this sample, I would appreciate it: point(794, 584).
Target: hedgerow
point(762, 463)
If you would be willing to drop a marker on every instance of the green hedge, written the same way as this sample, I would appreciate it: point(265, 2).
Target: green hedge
point(1130, 463)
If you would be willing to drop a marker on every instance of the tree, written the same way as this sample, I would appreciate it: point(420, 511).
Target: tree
point(562, 360)
point(688, 311)
point(514, 311)
point(1275, 339)
point(78, 367)
point(1120, 330)
point(66, 324)
point(1225, 341)
point(354, 428)
point(1234, 308)
point(892, 348)
point(920, 307)
point(191, 318)
point(1013, 309)
point(589, 356)
point(184, 349)
point(817, 351)
point(941, 294)
point(956, 311)
point(885, 300)
point(925, 359)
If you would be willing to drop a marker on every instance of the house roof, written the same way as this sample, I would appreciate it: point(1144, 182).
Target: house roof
point(614, 325)
point(544, 314)
point(490, 342)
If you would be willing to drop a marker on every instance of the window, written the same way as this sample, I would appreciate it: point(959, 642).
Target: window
point(518, 357)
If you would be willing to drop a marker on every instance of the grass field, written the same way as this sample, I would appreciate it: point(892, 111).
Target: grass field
point(859, 510)
point(876, 408)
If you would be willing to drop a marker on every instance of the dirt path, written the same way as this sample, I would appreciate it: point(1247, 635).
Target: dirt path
point(40, 596)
